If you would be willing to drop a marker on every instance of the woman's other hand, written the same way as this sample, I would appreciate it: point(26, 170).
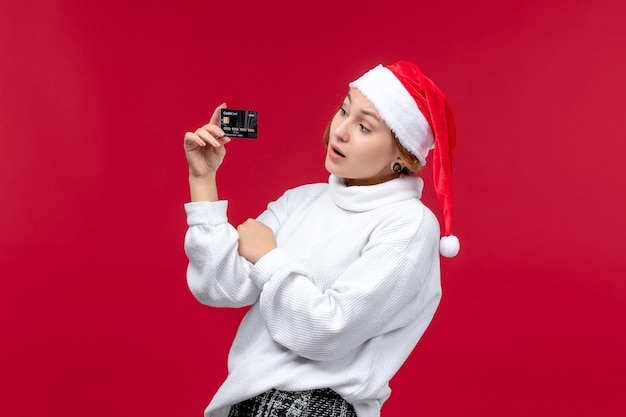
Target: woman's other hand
point(255, 240)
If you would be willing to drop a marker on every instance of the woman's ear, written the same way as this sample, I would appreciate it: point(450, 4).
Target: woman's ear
point(411, 163)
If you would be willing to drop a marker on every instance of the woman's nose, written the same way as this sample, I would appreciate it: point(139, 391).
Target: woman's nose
point(341, 133)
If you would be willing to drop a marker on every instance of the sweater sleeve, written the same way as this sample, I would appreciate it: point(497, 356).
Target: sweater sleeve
point(216, 274)
point(388, 287)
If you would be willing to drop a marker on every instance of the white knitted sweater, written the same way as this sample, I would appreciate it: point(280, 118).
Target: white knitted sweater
point(339, 304)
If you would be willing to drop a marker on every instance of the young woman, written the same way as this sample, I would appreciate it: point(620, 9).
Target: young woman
point(342, 277)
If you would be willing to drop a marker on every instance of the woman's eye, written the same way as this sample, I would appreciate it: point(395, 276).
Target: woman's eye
point(342, 111)
point(364, 129)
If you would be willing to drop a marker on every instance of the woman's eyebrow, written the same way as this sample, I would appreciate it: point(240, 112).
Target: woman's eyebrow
point(371, 114)
point(365, 112)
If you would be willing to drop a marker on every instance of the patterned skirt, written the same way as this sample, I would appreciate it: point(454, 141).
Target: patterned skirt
point(312, 403)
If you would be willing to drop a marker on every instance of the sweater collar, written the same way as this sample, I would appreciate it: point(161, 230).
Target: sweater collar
point(368, 197)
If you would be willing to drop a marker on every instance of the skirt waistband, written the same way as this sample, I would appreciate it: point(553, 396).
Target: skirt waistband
point(323, 402)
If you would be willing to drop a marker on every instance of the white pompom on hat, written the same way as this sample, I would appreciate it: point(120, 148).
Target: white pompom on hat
point(419, 115)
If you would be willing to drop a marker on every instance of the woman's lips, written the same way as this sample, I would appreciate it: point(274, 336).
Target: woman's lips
point(335, 153)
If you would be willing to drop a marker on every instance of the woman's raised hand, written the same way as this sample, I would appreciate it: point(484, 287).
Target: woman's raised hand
point(204, 148)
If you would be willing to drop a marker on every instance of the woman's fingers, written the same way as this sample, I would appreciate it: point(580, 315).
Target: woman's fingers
point(215, 118)
point(207, 134)
point(200, 157)
point(210, 133)
point(192, 140)
point(255, 240)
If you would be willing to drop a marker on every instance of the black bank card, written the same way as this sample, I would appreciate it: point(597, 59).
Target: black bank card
point(239, 123)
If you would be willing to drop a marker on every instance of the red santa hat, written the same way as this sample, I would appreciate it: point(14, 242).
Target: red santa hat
point(419, 115)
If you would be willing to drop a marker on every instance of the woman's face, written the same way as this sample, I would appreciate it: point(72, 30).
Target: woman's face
point(360, 145)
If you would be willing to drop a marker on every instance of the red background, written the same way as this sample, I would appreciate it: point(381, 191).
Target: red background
point(95, 98)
